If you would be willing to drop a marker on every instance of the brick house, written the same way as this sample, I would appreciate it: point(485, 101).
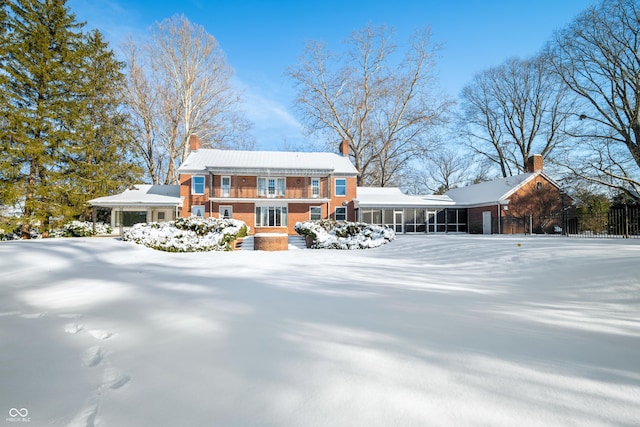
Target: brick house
point(524, 203)
point(269, 190)
point(273, 190)
point(528, 202)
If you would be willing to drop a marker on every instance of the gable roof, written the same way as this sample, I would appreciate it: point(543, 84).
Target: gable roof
point(494, 191)
point(142, 195)
point(267, 162)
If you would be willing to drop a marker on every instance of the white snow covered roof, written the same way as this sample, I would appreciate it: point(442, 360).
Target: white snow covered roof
point(376, 197)
point(490, 191)
point(267, 162)
point(142, 195)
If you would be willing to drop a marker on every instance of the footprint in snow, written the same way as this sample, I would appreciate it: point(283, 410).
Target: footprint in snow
point(92, 356)
point(101, 334)
point(114, 378)
point(73, 328)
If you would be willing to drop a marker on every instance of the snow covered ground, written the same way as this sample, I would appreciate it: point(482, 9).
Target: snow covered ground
point(426, 330)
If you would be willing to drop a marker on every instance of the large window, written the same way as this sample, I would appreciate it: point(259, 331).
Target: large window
point(341, 187)
point(271, 216)
point(197, 184)
point(315, 212)
point(129, 218)
point(271, 187)
point(341, 213)
point(225, 186)
point(315, 187)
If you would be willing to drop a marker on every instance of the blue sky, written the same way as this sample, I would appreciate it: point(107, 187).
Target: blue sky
point(262, 38)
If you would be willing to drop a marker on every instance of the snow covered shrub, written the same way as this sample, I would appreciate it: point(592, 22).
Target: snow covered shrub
point(192, 234)
point(329, 234)
point(83, 229)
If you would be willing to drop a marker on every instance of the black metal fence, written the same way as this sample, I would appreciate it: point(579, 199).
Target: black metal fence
point(618, 222)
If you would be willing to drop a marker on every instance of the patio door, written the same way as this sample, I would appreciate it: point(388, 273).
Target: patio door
point(398, 221)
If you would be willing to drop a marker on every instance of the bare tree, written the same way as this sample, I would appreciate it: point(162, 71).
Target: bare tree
point(385, 108)
point(440, 170)
point(142, 101)
point(513, 111)
point(598, 58)
point(191, 93)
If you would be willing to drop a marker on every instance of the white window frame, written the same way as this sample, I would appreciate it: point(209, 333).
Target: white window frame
point(279, 186)
point(222, 208)
point(316, 208)
point(341, 186)
point(225, 190)
point(198, 208)
point(315, 188)
point(344, 210)
point(280, 216)
point(193, 184)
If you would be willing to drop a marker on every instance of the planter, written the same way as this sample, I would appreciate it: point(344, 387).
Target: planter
point(309, 241)
point(271, 242)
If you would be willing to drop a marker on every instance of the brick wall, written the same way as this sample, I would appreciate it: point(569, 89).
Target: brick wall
point(193, 199)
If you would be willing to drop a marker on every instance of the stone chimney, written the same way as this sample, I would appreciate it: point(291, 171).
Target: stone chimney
point(194, 143)
point(344, 147)
point(535, 163)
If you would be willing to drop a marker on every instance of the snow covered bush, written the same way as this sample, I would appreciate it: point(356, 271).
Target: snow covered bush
point(193, 234)
point(82, 229)
point(329, 234)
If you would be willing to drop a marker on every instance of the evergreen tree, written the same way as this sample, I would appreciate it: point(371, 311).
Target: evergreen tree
point(99, 160)
point(60, 91)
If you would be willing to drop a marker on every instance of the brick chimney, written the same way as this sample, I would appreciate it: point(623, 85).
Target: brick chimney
point(535, 163)
point(194, 143)
point(344, 147)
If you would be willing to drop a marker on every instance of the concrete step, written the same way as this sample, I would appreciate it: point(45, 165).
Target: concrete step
point(246, 244)
point(297, 242)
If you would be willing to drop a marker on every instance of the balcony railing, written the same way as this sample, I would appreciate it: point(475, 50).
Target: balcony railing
point(246, 192)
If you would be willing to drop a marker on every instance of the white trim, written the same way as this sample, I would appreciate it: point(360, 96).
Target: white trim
point(335, 187)
point(227, 207)
point(204, 211)
point(312, 187)
point(276, 181)
point(335, 213)
point(316, 207)
point(269, 206)
point(204, 185)
point(222, 194)
point(266, 200)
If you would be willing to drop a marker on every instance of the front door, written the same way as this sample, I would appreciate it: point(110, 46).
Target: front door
point(226, 212)
point(398, 220)
point(486, 222)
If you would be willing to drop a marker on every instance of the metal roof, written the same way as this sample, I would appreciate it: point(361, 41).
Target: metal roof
point(389, 197)
point(272, 163)
point(142, 195)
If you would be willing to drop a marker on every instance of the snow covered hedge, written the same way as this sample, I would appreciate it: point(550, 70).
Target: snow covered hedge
point(70, 229)
point(193, 234)
point(82, 229)
point(329, 234)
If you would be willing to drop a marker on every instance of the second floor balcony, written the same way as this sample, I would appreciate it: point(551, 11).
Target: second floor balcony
point(233, 187)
